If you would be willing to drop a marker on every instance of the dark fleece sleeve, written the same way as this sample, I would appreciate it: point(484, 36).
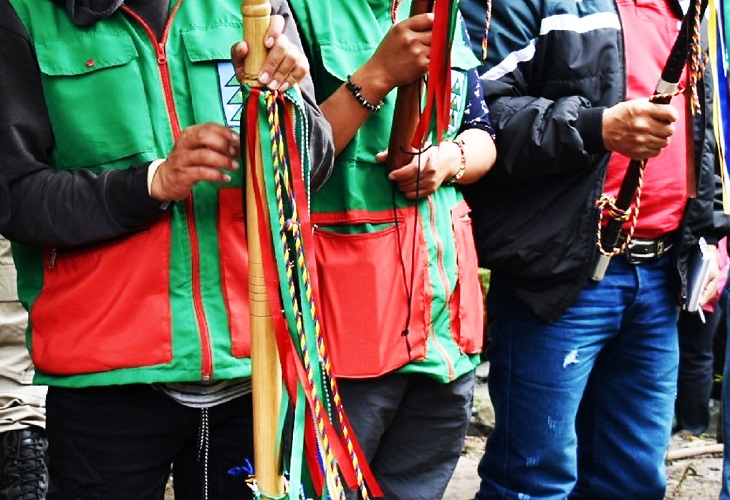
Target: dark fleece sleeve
point(52, 207)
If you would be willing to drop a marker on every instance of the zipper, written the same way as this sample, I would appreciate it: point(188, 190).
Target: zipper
point(444, 282)
point(166, 80)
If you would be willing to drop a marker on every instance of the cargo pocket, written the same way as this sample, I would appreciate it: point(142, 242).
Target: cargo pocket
point(234, 268)
point(368, 284)
point(105, 307)
point(467, 307)
point(96, 98)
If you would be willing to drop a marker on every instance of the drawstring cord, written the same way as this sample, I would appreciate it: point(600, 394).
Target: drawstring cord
point(204, 447)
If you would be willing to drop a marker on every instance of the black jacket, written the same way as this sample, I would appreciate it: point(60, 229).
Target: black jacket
point(534, 214)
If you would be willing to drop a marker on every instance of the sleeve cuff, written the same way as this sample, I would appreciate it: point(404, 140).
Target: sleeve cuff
point(151, 171)
point(590, 126)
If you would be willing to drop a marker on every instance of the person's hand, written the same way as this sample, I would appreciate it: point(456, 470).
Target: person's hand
point(711, 287)
point(436, 166)
point(638, 129)
point(284, 65)
point(202, 153)
point(403, 55)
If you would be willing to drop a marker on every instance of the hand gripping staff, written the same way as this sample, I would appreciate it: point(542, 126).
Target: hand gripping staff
point(411, 126)
point(286, 338)
point(686, 47)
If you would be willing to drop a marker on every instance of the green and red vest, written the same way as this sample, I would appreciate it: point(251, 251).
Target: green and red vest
point(398, 280)
point(169, 303)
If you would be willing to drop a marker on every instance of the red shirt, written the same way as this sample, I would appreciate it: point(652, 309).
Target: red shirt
point(649, 29)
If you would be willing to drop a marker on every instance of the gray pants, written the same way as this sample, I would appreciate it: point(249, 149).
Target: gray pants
point(411, 428)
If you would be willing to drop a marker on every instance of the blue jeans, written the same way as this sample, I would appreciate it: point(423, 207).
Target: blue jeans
point(584, 405)
point(725, 491)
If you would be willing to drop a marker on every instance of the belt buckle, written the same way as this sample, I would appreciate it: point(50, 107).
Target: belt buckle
point(651, 250)
point(633, 256)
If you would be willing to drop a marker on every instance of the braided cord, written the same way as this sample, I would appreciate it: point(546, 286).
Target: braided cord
point(697, 62)
point(487, 24)
point(607, 203)
point(291, 226)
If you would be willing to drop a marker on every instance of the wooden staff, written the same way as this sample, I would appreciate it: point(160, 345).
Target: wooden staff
point(265, 368)
point(407, 109)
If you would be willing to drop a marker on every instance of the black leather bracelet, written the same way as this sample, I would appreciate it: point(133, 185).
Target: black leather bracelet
point(355, 89)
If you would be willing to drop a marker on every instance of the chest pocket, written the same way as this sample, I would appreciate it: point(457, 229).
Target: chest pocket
point(95, 97)
point(340, 59)
point(208, 66)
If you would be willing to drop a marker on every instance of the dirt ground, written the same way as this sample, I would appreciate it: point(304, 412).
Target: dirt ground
point(696, 477)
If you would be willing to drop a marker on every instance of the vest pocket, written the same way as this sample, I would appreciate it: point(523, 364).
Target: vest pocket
point(89, 127)
point(208, 66)
point(368, 284)
point(234, 268)
point(467, 307)
point(105, 307)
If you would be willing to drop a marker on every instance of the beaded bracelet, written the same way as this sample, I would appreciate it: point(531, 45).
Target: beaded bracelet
point(355, 89)
point(462, 166)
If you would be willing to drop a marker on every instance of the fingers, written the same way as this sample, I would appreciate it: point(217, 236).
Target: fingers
point(202, 153)
point(663, 112)
point(211, 137)
point(414, 184)
point(638, 129)
point(284, 66)
point(276, 28)
point(405, 52)
point(421, 23)
point(239, 51)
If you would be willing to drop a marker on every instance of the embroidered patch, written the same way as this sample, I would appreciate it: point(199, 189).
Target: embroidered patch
point(230, 93)
point(458, 100)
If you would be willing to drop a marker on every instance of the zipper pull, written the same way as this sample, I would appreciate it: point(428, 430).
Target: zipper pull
point(161, 55)
point(52, 260)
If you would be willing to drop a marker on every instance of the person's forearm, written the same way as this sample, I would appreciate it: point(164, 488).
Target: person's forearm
point(345, 114)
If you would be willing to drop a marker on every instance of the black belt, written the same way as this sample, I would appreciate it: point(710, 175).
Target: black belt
point(643, 250)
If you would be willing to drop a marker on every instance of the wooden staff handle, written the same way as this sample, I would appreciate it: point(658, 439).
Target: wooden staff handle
point(407, 109)
point(265, 368)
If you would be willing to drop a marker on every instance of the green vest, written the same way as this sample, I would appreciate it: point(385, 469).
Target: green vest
point(398, 281)
point(169, 303)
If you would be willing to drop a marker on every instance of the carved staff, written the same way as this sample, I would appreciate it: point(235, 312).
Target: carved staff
point(265, 367)
point(608, 243)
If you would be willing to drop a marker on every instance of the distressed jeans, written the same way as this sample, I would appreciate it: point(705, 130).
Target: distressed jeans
point(584, 405)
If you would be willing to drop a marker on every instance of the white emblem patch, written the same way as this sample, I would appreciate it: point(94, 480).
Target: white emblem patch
point(231, 95)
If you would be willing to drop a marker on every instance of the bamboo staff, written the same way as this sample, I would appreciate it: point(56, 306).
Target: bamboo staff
point(265, 367)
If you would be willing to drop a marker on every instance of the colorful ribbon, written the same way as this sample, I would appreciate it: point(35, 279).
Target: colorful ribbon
point(285, 234)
